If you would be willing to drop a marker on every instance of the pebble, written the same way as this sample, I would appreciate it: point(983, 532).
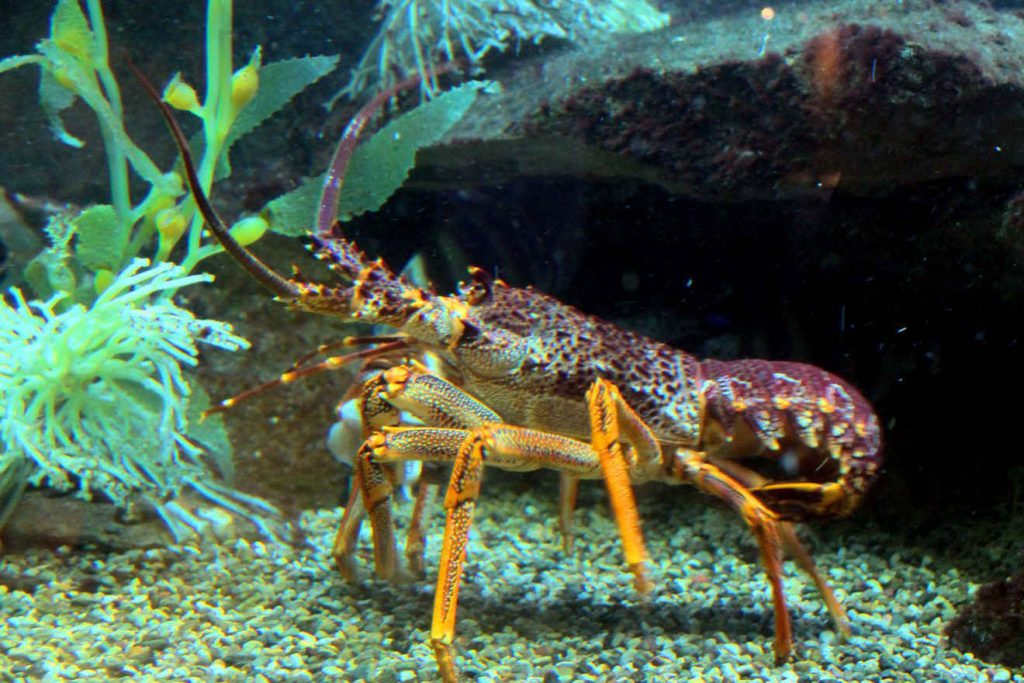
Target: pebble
point(275, 614)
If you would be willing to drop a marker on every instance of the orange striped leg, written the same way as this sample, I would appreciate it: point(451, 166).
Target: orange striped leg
point(460, 502)
point(438, 403)
point(762, 522)
point(433, 399)
point(611, 421)
point(348, 531)
point(376, 483)
point(752, 480)
point(803, 499)
point(504, 446)
point(803, 558)
point(331, 363)
point(376, 413)
point(415, 545)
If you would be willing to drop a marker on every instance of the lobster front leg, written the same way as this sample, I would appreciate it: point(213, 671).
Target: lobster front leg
point(439, 404)
point(460, 502)
point(500, 445)
point(371, 490)
point(376, 484)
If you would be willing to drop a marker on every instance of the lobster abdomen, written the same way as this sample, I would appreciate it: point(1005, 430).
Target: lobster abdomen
point(818, 427)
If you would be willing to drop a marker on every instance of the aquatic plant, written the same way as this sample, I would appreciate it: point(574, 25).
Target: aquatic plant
point(93, 391)
point(374, 170)
point(59, 425)
point(93, 399)
point(415, 34)
point(73, 63)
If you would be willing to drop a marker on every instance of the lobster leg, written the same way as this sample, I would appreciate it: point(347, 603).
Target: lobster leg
point(371, 491)
point(611, 419)
point(430, 479)
point(768, 531)
point(348, 531)
point(800, 500)
point(754, 481)
point(377, 484)
point(460, 502)
point(436, 402)
point(514, 448)
point(803, 558)
point(439, 403)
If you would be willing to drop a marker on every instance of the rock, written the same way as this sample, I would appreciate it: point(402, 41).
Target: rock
point(992, 626)
point(49, 521)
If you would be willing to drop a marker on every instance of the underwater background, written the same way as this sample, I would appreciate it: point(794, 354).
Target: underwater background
point(837, 183)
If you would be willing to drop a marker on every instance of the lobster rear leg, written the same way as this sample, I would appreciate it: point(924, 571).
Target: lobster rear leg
point(609, 414)
point(692, 467)
point(803, 500)
point(794, 547)
point(803, 558)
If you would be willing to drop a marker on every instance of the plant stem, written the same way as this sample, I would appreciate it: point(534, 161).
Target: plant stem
point(117, 163)
point(216, 107)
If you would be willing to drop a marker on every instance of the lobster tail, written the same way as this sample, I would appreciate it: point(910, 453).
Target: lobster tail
point(819, 429)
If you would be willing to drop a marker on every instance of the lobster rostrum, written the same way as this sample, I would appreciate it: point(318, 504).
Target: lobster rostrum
point(534, 383)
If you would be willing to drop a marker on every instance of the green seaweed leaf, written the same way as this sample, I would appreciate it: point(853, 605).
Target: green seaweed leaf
point(292, 213)
point(84, 84)
point(70, 30)
point(54, 99)
point(50, 271)
point(380, 165)
point(279, 83)
point(14, 61)
point(102, 238)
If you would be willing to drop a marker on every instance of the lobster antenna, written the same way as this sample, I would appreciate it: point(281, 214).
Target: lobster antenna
point(279, 285)
point(327, 210)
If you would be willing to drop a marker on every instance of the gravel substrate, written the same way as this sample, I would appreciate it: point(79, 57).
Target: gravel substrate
point(246, 611)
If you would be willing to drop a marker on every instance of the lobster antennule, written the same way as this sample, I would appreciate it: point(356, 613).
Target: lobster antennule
point(270, 279)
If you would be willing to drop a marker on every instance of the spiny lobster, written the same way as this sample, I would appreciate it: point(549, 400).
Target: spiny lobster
point(537, 384)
